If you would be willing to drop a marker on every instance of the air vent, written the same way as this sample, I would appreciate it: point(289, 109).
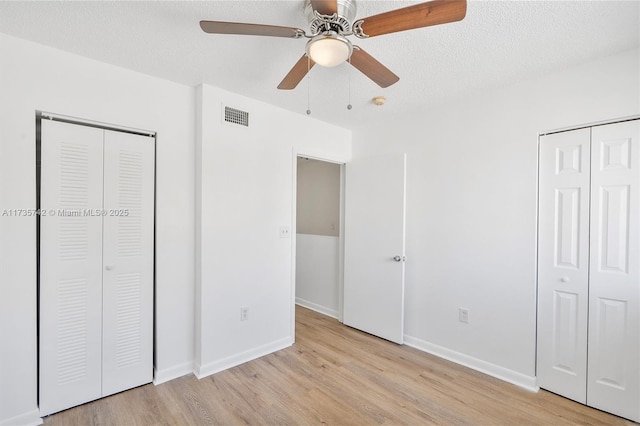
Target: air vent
point(235, 116)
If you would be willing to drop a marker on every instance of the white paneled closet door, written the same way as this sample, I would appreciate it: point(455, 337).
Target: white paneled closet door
point(563, 263)
point(128, 262)
point(614, 283)
point(589, 266)
point(96, 263)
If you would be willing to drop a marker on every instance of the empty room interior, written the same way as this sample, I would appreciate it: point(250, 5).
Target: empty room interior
point(319, 212)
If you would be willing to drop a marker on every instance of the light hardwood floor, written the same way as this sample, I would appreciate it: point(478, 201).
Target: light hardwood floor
point(338, 376)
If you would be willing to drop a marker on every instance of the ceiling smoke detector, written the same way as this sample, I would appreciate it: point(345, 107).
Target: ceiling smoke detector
point(379, 100)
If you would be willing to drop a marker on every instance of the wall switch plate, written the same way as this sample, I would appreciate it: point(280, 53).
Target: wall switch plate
point(463, 315)
point(244, 313)
point(284, 232)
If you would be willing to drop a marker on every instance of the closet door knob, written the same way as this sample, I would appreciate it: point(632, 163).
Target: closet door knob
point(565, 279)
point(109, 267)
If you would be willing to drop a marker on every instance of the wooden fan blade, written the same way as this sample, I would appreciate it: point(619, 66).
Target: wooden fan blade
point(417, 16)
point(219, 27)
point(373, 69)
point(325, 7)
point(297, 73)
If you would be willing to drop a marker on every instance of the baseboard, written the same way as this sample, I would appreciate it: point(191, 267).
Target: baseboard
point(167, 374)
point(318, 308)
point(216, 366)
point(513, 377)
point(32, 418)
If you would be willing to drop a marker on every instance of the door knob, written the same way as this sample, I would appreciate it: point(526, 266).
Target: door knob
point(109, 267)
point(398, 258)
point(565, 279)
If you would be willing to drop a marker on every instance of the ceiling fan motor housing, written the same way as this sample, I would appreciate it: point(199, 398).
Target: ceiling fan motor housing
point(341, 23)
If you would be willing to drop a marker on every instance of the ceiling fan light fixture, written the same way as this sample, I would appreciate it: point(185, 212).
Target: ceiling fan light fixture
point(329, 49)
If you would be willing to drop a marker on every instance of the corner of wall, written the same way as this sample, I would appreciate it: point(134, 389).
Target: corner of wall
point(167, 374)
point(31, 418)
point(198, 225)
point(222, 364)
point(522, 380)
point(333, 313)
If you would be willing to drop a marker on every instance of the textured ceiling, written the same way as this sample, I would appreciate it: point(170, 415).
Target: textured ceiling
point(498, 43)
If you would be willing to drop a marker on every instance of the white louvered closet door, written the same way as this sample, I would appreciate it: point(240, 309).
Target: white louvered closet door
point(70, 266)
point(96, 264)
point(128, 261)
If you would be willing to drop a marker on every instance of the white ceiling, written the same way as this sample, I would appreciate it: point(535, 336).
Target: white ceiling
point(498, 43)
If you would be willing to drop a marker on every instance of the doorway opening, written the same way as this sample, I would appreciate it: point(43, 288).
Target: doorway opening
point(371, 264)
point(319, 236)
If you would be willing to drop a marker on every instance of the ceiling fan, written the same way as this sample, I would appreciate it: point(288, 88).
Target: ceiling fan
point(331, 21)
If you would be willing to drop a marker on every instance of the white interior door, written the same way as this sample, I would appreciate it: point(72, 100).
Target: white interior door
point(128, 261)
point(614, 294)
point(563, 263)
point(70, 266)
point(374, 236)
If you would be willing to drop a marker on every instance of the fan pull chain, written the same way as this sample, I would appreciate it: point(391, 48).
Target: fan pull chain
point(349, 104)
point(308, 86)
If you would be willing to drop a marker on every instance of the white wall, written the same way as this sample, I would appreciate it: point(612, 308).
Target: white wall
point(317, 236)
point(34, 77)
point(244, 194)
point(471, 207)
point(317, 273)
point(318, 197)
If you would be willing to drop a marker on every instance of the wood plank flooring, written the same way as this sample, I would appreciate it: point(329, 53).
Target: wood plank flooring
point(336, 375)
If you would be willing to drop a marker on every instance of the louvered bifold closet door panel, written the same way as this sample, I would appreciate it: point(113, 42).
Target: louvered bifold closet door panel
point(563, 263)
point(70, 266)
point(614, 291)
point(128, 259)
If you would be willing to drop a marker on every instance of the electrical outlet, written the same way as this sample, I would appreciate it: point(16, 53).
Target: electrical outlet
point(244, 313)
point(284, 232)
point(463, 315)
